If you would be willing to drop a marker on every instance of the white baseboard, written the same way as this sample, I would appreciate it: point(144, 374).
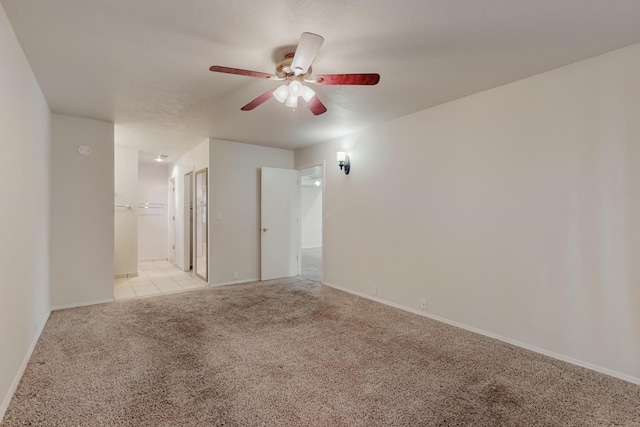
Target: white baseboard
point(234, 282)
point(125, 275)
point(23, 366)
point(153, 259)
point(176, 265)
point(533, 348)
point(311, 247)
point(82, 304)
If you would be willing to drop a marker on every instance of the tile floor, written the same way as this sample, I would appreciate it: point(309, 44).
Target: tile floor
point(156, 278)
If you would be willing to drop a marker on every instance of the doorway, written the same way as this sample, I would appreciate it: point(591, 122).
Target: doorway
point(311, 199)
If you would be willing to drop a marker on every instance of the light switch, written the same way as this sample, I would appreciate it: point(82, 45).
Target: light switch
point(327, 216)
point(218, 216)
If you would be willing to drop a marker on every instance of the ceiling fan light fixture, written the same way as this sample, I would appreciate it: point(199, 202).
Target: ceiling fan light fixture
point(281, 93)
point(292, 101)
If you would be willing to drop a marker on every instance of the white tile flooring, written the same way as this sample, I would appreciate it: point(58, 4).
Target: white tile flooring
point(156, 278)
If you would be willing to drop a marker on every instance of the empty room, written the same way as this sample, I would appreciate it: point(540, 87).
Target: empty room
point(417, 213)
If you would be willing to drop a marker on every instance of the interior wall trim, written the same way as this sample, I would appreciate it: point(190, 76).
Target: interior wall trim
point(23, 366)
point(234, 282)
point(125, 275)
point(82, 304)
point(540, 350)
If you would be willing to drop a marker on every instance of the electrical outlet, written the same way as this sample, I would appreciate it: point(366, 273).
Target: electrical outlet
point(423, 303)
point(374, 291)
point(235, 274)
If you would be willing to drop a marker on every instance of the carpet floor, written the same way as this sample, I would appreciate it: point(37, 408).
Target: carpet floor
point(295, 353)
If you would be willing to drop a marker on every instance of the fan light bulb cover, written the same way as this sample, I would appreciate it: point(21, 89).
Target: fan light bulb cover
point(295, 88)
point(281, 93)
point(292, 101)
point(307, 93)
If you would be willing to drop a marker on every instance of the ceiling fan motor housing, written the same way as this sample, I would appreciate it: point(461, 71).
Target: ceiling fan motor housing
point(284, 70)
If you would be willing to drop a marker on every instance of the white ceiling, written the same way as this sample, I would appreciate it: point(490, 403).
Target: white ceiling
point(144, 64)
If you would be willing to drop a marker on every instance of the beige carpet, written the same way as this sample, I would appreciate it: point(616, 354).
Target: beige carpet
point(295, 353)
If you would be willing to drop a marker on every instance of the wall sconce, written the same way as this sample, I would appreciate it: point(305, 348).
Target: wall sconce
point(343, 162)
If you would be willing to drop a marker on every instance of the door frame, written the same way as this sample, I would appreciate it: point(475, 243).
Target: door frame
point(204, 171)
point(188, 223)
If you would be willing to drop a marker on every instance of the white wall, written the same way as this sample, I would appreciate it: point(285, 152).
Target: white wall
point(125, 219)
point(194, 160)
point(82, 212)
point(153, 225)
point(25, 123)
point(234, 195)
point(311, 211)
point(515, 211)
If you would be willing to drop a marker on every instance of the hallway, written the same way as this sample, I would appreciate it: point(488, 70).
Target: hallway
point(312, 264)
point(156, 278)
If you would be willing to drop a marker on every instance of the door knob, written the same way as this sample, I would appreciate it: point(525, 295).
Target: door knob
point(265, 229)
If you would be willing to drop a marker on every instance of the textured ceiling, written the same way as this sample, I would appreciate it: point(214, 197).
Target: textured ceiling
point(144, 64)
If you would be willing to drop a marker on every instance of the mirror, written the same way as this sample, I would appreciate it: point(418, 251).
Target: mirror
point(200, 225)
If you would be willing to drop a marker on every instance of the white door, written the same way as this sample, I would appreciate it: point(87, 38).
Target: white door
point(279, 219)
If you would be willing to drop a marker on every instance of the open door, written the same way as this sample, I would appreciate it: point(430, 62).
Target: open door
point(188, 229)
point(201, 227)
point(172, 220)
point(279, 219)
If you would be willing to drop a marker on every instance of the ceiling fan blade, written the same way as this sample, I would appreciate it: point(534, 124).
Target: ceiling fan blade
point(259, 100)
point(346, 79)
point(316, 106)
point(306, 52)
point(238, 71)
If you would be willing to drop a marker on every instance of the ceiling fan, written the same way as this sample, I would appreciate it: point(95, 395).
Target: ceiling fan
point(295, 70)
